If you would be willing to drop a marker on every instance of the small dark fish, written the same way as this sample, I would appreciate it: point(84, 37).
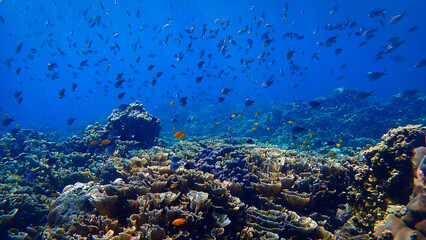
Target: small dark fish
point(121, 95)
point(150, 67)
point(73, 86)
point(225, 91)
point(70, 121)
point(174, 120)
point(353, 24)
point(119, 76)
point(362, 95)
point(158, 74)
point(174, 166)
point(221, 99)
point(200, 65)
point(1, 19)
point(7, 121)
point(420, 64)
point(83, 63)
point(153, 82)
point(19, 100)
point(377, 12)
point(267, 83)
point(61, 93)
point(17, 94)
point(415, 28)
point(198, 79)
point(338, 51)
point(250, 141)
point(330, 41)
point(248, 102)
point(334, 9)
point(17, 70)
point(398, 17)
point(329, 143)
point(297, 130)
point(290, 54)
point(18, 48)
point(373, 76)
point(51, 66)
point(313, 104)
point(183, 101)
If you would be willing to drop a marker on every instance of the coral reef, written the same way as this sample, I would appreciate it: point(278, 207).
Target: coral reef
point(389, 174)
point(210, 189)
point(134, 123)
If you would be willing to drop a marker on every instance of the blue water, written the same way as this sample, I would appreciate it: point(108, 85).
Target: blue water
point(48, 28)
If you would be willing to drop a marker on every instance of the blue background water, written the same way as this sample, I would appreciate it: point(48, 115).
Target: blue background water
point(26, 22)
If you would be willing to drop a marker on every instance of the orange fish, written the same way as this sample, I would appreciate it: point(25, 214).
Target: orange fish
point(174, 185)
point(253, 129)
point(257, 114)
point(174, 128)
point(178, 222)
point(172, 102)
point(94, 143)
point(331, 154)
point(105, 142)
point(182, 136)
point(256, 124)
point(227, 156)
point(266, 117)
point(177, 134)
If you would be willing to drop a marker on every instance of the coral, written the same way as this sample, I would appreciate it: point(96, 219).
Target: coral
point(389, 179)
point(134, 123)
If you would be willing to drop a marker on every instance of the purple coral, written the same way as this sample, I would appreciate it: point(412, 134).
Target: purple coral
point(208, 158)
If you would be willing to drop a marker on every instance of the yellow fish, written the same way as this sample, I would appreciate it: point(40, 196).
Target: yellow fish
point(217, 123)
point(253, 129)
point(337, 144)
point(178, 222)
point(177, 134)
point(266, 116)
point(229, 128)
point(267, 128)
point(290, 122)
point(233, 116)
point(182, 136)
point(105, 142)
point(340, 140)
point(292, 144)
